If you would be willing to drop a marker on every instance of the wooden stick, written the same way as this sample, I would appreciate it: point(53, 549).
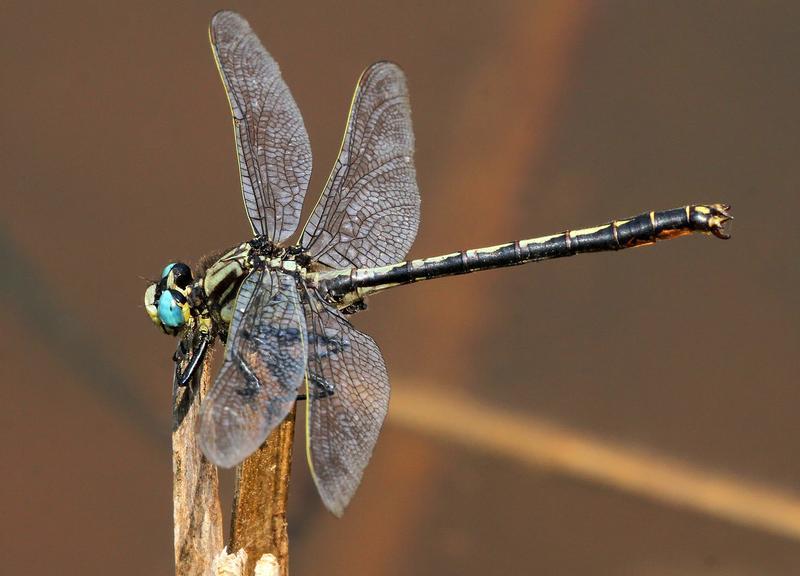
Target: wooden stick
point(196, 509)
point(258, 521)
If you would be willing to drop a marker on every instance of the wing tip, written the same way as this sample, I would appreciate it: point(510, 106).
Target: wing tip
point(220, 14)
point(222, 449)
point(336, 501)
point(219, 457)
point(210, 446)
point(389, 66)
point(222, 18)
point(335, 505)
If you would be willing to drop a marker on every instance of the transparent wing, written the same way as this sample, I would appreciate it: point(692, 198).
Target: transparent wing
point(368, 214)
point(265, 360)
point(348, 395)
point(271, 139)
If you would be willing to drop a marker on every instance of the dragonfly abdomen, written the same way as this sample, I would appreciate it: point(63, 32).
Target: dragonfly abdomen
point(640, 230)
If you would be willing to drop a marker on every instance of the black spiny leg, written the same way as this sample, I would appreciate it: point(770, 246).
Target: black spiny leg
point(183, 391)
point(183, 378)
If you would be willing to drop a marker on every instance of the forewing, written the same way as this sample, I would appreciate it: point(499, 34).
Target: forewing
point(348, 395)
point(368, 214)
point(265, 360)
point(271, 139)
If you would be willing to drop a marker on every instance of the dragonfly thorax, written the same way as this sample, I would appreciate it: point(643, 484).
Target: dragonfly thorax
point(178, 299)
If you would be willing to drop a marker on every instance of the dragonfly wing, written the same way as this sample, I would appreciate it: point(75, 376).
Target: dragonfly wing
point(264, 365)
point(271, 139)
point(368, 214)
point(348, 395)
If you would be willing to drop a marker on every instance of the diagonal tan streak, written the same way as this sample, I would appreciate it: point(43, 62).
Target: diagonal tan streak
point(533, 52)
point(645, 473)
point(509, 107)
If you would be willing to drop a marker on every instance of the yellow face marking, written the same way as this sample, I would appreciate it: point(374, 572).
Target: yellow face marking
point(186, 313)
point(149, 304)
point(702, 209)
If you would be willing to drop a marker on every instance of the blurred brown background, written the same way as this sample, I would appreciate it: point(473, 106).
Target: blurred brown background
point(665, 378)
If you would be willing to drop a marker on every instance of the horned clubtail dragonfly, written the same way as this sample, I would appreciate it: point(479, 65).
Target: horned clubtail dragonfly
point(282, 309)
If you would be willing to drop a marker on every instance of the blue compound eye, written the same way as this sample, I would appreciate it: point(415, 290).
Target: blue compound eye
point(170, 308)
point(167, 268)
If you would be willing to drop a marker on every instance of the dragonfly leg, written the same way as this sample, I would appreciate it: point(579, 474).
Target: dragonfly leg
point(356, 306)
point(185, 377)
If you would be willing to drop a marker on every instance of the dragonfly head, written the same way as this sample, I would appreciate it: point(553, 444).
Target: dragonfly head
point(166, 301)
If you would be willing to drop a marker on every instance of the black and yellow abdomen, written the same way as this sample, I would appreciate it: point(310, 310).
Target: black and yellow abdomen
point(642, 230)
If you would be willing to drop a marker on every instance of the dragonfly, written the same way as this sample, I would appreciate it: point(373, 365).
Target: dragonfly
point(283, 309)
